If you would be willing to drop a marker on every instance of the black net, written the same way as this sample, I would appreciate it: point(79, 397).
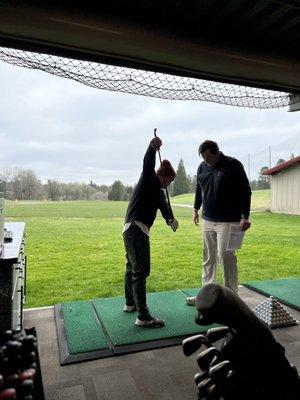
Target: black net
point(146, 83)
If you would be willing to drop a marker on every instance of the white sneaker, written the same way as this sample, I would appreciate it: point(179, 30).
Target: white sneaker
point(191, 301)
point(129, 308)
point(150, 322)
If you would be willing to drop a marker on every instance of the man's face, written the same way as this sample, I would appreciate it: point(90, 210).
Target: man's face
point(209, 158)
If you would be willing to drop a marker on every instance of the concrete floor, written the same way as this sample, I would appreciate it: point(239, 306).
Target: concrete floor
point(164, 374)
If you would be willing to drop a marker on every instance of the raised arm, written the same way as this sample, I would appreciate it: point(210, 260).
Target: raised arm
point(150, 156)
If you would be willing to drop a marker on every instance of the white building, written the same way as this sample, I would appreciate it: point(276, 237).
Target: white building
point(285, 186)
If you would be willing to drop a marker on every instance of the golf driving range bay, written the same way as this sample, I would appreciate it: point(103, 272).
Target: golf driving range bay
point(75, 249)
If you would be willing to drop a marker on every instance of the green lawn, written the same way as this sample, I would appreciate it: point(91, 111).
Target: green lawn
point(260, 200)
point(75, 250)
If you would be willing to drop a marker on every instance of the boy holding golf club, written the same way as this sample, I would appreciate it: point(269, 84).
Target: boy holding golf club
point(147, 197)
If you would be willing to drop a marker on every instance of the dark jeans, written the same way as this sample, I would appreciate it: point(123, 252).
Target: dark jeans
point(137, 246)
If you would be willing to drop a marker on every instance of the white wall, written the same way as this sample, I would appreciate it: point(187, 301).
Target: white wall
point(285, 191)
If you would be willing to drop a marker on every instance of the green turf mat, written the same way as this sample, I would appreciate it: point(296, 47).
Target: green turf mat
point(285, 290)
point(169, 306)
point(83, 330)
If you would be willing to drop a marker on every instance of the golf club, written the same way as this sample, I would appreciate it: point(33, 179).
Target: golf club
point(200, 376)
point(166, 189)
point(208, 390)
point(207, 357)
point(193, 343)
point(215, 334)
point(220, 371)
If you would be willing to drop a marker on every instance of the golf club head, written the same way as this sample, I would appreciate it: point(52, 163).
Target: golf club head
point(215, 334)
point(200, 376)
point(221, 371)
point(208, 390)
point(193, 343)
point(207, 357)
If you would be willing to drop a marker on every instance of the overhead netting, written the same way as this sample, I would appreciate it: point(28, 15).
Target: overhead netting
point(146, 83)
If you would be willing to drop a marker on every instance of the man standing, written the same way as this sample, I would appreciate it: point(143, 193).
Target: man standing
point(224, 193)
point(147, 197)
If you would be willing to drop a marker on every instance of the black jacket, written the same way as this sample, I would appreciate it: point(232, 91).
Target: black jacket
point(148, 196)
point(223, 191)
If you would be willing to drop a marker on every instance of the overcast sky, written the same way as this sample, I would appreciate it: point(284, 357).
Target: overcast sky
point(67, 131)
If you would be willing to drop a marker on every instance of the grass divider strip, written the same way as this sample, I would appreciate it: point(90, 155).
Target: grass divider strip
point(111, 345)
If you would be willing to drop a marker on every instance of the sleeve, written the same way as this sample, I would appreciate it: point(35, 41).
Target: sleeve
point(149, 161)
point(198, 194)
point(245, 191)
point(165, 207)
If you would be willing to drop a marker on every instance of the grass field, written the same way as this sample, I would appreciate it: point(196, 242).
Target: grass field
point(75, 249)
point(260, 200)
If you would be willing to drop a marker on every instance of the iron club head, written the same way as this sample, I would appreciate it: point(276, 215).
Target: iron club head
point(215, 334)
point(200, 376)
point(220, 371)
point(207, 357)
point(193, 343)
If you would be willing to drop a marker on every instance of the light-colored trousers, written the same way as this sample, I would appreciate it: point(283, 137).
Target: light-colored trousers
point(215, 237)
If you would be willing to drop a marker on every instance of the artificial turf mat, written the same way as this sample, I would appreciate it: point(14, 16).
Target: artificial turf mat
point(100, 328)
point(83, 330)
point(286, 291)
point(169, 306)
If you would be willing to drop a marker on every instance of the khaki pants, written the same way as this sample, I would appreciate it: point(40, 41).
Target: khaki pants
point(215, 236)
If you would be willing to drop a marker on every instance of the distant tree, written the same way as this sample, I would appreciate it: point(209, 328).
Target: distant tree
point(280, 161)
point(181, 183)
point(253, 184)
point(117, 191)
point(190, 183)
point(292, 156)
point(26, 185)
point(127, 192)
point(104, 188)
point(6, 178)
point(53, 190)
point(93, 185)
point(263, 182)
point(194, 183)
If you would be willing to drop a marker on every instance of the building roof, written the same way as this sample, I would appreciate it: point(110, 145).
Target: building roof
point(246, 42)
point(280, 167)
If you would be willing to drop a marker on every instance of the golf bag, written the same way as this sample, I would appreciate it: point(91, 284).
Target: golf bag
point(240, 360)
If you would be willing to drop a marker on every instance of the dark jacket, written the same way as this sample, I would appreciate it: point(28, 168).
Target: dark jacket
point(223, 191)
point(148, 196)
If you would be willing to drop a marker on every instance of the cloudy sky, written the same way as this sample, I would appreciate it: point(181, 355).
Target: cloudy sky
point(66, 131)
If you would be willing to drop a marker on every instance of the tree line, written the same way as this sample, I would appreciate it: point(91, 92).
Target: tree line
point(23, 184)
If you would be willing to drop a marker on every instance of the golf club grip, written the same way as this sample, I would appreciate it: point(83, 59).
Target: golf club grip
point(158, 149)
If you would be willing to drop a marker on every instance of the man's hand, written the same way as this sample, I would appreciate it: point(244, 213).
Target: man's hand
point(156, 143)
point(245, 224)
point(173, 223)
point(196, 217)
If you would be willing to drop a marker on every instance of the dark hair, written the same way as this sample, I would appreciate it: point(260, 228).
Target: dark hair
point(208, 145)
point(166, 169)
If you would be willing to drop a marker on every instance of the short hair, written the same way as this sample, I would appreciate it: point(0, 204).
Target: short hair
point(166, 169)
point(208, 145)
